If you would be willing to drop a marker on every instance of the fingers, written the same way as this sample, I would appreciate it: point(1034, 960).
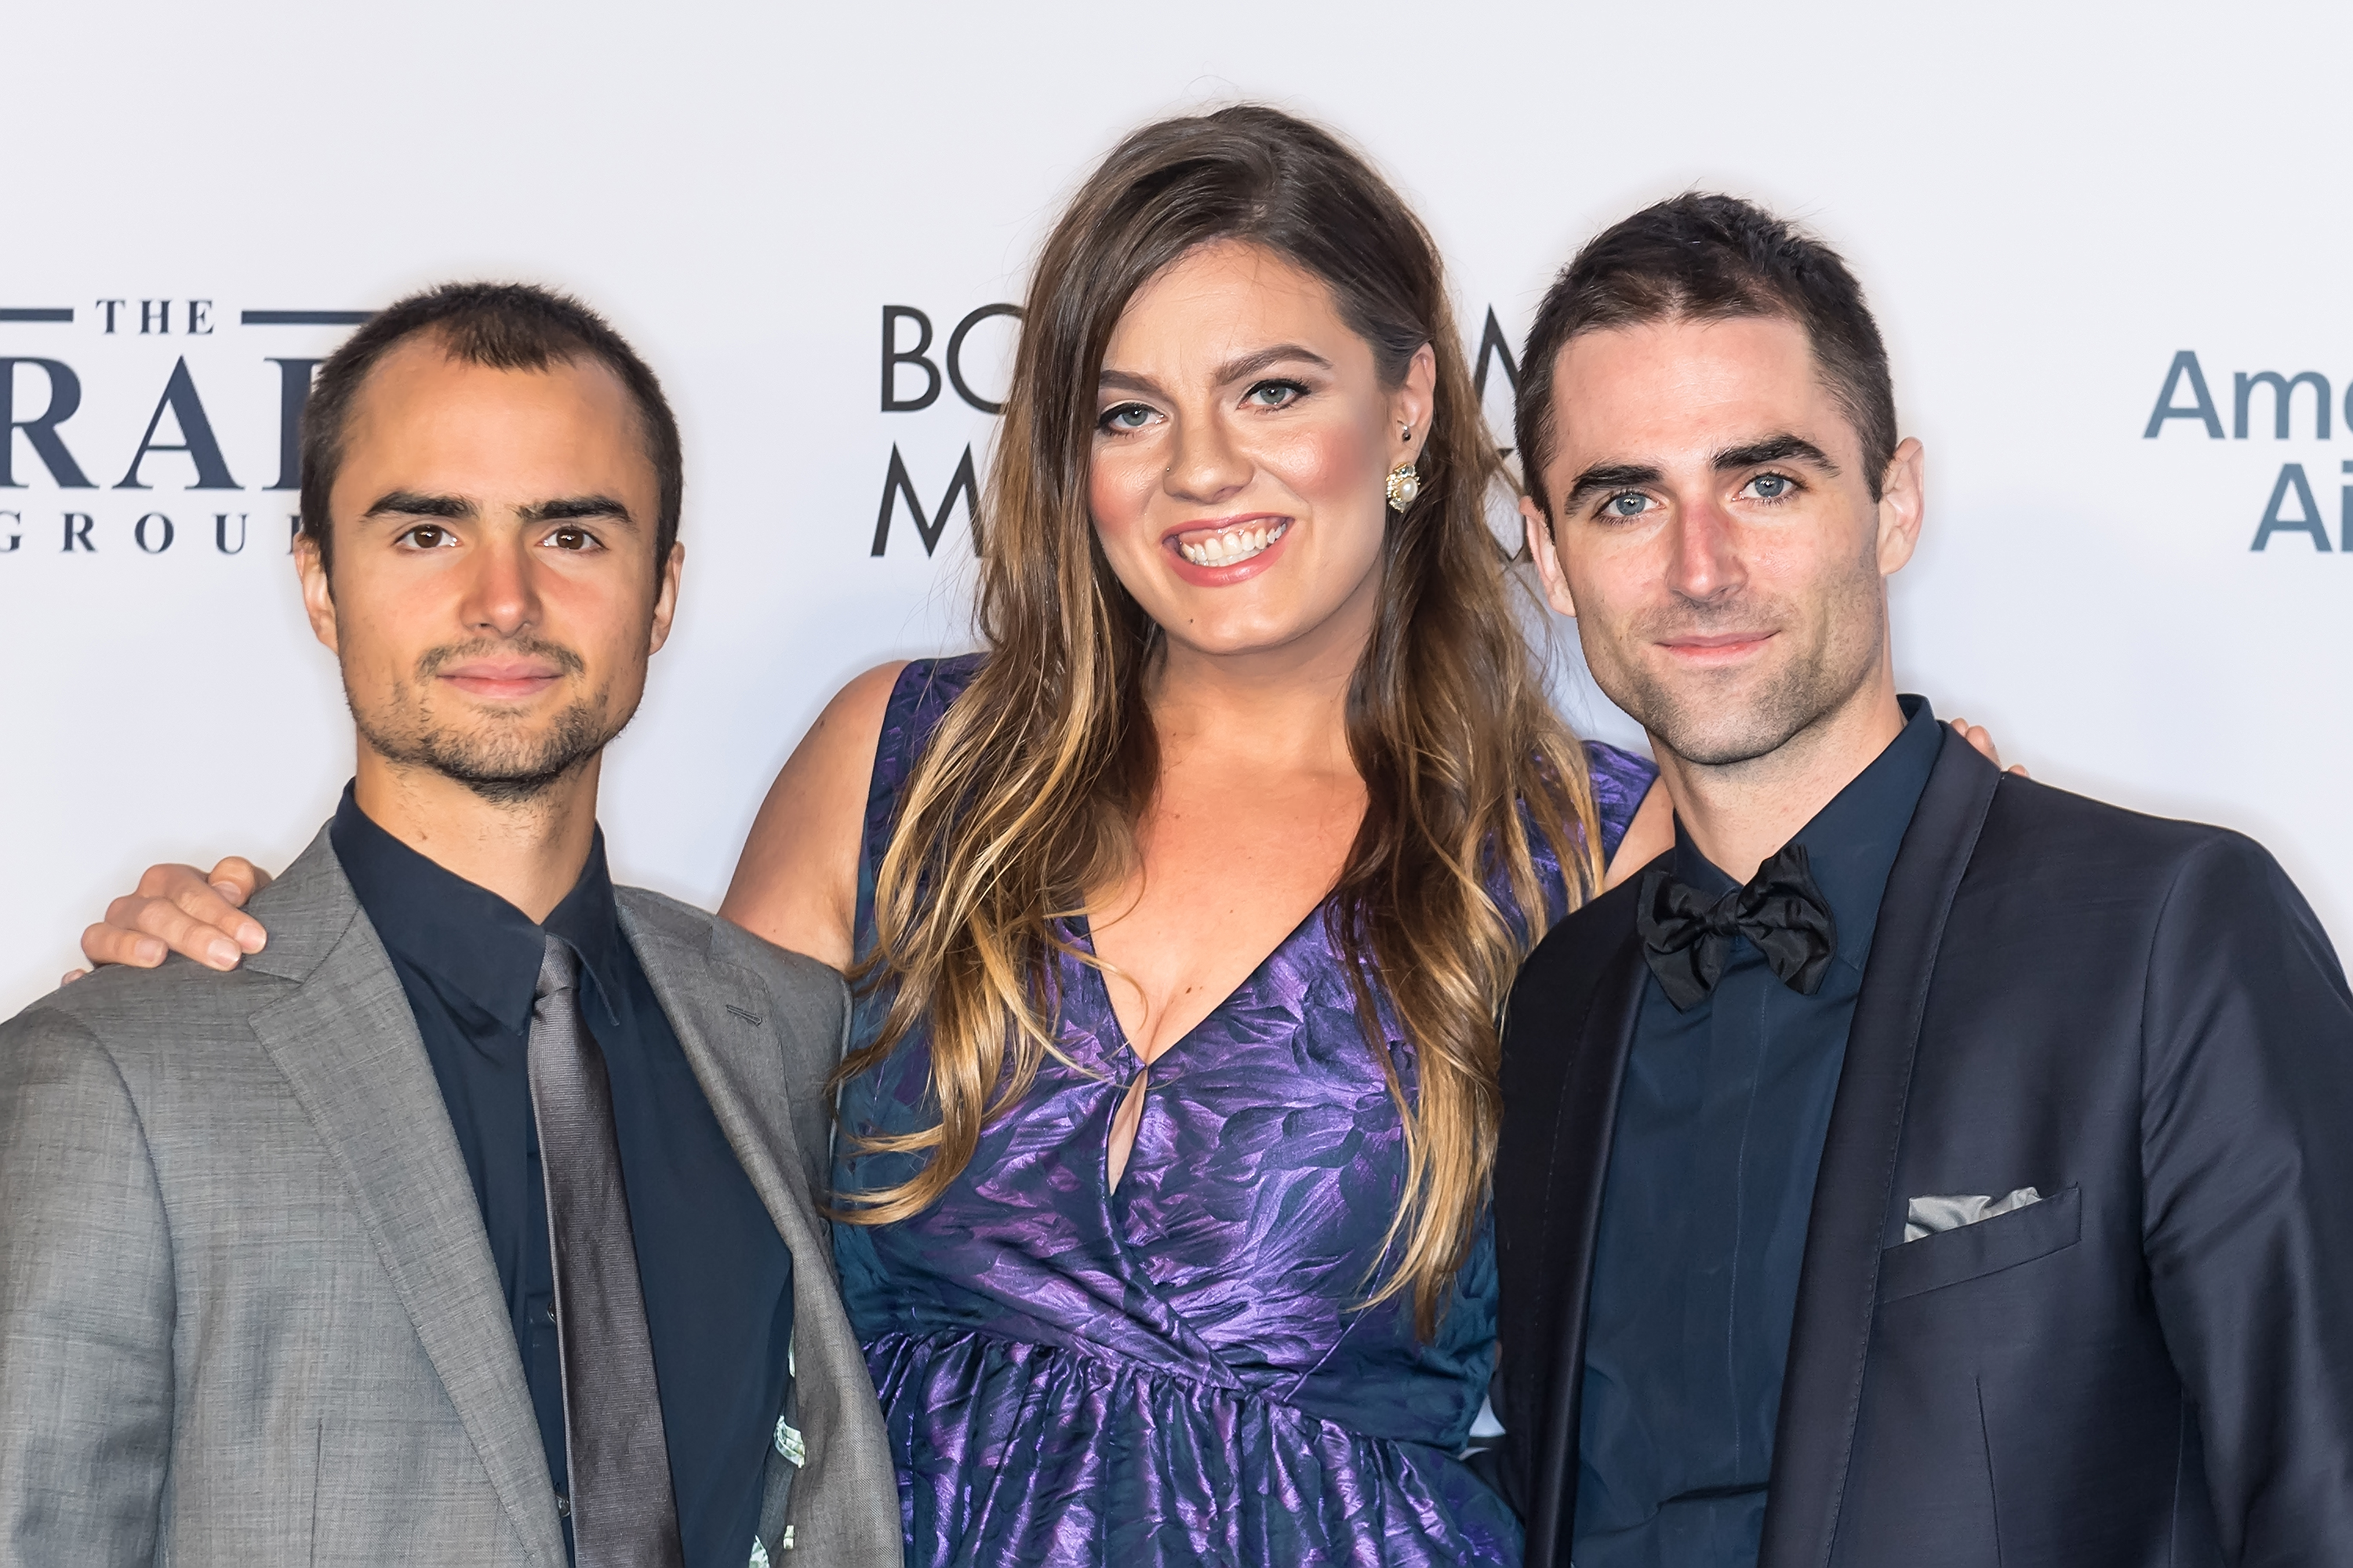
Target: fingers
point(1977, 735)
point(71, 976)
point(175, 909)
point(107, 943)
point(237, 879)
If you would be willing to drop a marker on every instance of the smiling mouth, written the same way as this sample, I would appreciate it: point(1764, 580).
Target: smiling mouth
point(1230, 546)
point(495, 682)
point(1720, 647)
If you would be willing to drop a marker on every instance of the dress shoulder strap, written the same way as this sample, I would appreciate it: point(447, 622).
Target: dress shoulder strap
point(919, 700)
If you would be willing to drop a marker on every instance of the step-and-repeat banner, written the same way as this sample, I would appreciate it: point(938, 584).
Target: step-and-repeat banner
point(2108, 246)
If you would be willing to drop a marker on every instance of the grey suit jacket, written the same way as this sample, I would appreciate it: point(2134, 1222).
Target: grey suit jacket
point(247, 1311)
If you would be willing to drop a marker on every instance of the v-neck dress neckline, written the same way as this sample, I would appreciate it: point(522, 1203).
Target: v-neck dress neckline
point(1182, 1372)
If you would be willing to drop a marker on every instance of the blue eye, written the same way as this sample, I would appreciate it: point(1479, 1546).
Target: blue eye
point(1126, 417)
point(1630, 503)
point(1771, 486)
point(1276, 394)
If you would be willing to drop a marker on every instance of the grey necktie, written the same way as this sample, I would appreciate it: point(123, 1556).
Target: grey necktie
point(623, 1514)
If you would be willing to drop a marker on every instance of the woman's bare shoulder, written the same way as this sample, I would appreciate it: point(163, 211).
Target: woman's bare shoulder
point(797, 883)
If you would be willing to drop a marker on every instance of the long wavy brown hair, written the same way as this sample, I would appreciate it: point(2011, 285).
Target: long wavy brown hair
point(1032, 790)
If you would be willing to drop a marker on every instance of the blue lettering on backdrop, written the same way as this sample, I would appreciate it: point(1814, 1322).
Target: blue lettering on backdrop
point(2185, 363)
point(2291, 477)
point(2242, 387)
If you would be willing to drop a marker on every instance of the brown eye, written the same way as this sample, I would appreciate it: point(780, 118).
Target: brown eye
point(572, 539)
point(428, 536)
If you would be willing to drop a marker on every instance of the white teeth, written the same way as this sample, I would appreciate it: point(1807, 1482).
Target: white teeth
point(1233, 546)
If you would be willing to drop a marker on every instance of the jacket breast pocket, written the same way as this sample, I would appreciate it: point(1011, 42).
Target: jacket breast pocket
point(1972, 1252)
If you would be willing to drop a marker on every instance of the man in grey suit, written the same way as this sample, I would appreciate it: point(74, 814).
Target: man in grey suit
point(473, 1222)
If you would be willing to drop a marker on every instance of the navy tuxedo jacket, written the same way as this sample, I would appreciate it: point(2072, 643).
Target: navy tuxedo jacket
point(2154, 1366)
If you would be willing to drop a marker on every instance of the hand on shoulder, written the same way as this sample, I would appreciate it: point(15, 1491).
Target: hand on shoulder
point(179, 910)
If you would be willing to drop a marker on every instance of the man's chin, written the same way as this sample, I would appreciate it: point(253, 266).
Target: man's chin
point(1717, 723)
point(504, 768)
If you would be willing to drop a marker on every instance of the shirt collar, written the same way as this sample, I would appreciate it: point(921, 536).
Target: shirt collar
point(465, 936)
point(1852, 844)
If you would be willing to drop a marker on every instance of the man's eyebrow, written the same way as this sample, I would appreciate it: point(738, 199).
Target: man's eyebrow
point(1783, 448)
point(1607, 476)
point(568, 508)
point(408, 504)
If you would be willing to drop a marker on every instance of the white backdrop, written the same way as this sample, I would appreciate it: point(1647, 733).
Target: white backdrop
point(2047, 203)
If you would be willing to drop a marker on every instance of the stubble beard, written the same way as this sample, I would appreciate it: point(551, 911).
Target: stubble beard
point(498, 760)
point(1724, 721)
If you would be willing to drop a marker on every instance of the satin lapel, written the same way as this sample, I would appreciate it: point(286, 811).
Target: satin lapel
point(348, 1044)
point(1583, 1122)
point(1821, 1390)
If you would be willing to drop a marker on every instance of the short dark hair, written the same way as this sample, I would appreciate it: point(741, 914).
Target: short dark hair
point(506, 327)
point(1710, 257)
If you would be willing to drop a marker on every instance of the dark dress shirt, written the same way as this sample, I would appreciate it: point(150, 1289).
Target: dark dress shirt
point(717, 1277)
point(1703, 1213)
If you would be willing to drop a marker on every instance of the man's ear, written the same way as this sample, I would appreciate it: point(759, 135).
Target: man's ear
point(318, 597)
point(1903, 501)
point(666, 596)
point(1548, 559)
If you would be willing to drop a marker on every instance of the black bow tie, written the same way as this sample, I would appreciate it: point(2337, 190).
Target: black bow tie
point(1685, 932)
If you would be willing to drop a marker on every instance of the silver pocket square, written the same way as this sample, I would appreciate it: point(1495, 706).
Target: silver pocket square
point(1949, 1211)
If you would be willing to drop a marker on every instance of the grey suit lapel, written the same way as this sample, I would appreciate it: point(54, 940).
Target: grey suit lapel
point(347, 1043)
point(720, 1014)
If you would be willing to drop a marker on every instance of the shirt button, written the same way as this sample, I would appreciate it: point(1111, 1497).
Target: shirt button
point(547, 1314)
point(563, 1506)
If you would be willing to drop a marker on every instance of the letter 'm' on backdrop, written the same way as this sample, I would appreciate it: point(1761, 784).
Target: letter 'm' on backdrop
point(2108, 247)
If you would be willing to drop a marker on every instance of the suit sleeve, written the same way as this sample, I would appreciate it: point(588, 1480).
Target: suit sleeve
point(86, 1306)
point(2247, 1156)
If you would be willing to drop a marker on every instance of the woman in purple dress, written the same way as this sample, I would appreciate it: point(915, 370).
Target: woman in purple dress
point(1183, 913)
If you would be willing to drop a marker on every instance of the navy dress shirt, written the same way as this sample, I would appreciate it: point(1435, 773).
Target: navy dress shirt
point(717, 1277)
point(1705, 1208)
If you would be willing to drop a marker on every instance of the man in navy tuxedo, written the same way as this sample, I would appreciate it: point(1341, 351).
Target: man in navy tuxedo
point(1913, 1164)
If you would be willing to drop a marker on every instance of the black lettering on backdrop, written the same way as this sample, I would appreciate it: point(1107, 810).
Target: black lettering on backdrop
point(293, 395)
point(2291, 477)
point(220, 534)
point(929, 528)
point(955, 354)
point(2184, 363)
point(109, 307)
point(199, 319)
point(2242, 389)
point(16, 521)
point(139, 533)
point(65, 397)
point(79, 534)
point(1491, 341)
point(893, 357)
point(155, 315)
point(195, 436)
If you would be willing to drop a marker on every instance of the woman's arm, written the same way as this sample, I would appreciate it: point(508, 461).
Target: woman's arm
point(797, 883)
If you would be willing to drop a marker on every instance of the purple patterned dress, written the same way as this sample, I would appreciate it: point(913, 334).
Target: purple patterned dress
point(1175, 1371)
